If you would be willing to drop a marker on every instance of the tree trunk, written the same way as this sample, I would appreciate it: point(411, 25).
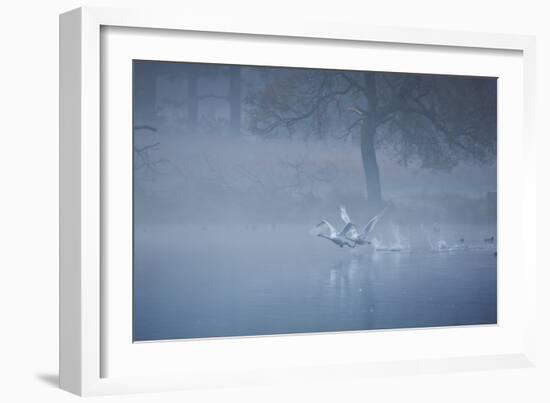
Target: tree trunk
point(145, 101)
point(235, 100)
point(370, 165)
point(193, 99)
point(368, 139)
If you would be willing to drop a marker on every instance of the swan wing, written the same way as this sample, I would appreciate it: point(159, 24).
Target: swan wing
point(370, 226)
point(345, 230)
point(372, 223)
point(325, 224)
point(344, 215)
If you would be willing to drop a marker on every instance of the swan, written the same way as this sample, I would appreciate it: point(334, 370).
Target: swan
point(359, 238)
point(339, 238)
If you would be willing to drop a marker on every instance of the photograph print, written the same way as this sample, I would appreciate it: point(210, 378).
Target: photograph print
point(276, 200)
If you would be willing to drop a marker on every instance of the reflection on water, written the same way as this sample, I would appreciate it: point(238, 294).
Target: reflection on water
point(244, 284)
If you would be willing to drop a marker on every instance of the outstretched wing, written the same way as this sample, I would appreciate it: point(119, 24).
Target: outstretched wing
point(372, 223)
point(370, 226)
point(325, 225)
point(345, 230)
point(344, 215)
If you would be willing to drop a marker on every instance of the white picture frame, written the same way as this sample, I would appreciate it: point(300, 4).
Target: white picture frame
point(96, 355)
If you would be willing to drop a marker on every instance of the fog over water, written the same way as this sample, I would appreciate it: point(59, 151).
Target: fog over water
point(235, 167)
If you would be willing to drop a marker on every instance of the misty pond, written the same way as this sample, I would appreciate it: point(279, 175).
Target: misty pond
point(238, 282)
point(272, 200)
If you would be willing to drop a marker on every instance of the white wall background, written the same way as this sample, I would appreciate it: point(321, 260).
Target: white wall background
point(29, 210)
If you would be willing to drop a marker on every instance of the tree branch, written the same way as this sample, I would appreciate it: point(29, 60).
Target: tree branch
point(140, 150)
point(355, 84)
point(291, 121)
point(145, 127)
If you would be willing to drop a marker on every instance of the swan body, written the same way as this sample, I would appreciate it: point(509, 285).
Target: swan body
point(339, 238)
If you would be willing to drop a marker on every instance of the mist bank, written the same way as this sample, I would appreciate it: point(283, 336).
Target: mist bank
point(252, 180)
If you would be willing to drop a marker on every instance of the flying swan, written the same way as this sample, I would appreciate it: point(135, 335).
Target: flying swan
point(339, 238)
point(359, 238)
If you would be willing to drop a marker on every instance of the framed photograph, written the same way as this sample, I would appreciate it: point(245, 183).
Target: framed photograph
point(251, 203)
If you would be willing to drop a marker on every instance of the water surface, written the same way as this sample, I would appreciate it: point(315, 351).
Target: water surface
point(198, 282)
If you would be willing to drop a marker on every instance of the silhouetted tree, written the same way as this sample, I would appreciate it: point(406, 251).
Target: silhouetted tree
point(193, 73)
point(145, 76)
point(434, 121)
point(192, 76)
point(235, 99)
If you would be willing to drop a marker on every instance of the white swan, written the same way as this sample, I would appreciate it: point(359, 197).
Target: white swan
point(339, 238)
point(359, 238)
